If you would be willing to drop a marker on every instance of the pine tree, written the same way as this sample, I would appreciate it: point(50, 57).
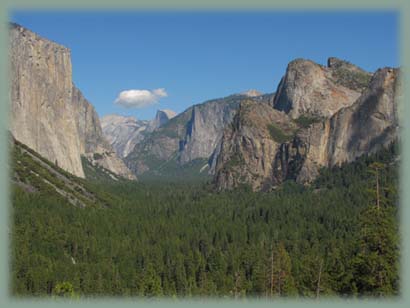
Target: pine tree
point(376, 268)
point(280, 279)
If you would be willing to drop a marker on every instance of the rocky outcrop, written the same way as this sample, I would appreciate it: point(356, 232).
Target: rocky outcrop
point(252, 150)
point(205, 128)
point(194, 134)
point(371, 123)
point(162, 117)
point(315, 90)
point(48, 113)
point(348, 74)
point(94, 146)
point(363, 128)
point(265, 147)
point(88, 123)
point(108, 159)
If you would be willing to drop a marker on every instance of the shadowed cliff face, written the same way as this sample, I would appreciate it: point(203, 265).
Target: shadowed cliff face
point(190, 135)
point(48, 113)
point(253, 151)
point(162, 117)
point(94, 146)
point(264, 147)
point(205, 128)
point(88, 124)
point(371, 123)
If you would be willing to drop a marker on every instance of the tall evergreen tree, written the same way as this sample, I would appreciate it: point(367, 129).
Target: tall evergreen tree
point(376, 264)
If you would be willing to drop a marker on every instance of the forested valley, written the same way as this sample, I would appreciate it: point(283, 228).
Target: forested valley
point(336, 237)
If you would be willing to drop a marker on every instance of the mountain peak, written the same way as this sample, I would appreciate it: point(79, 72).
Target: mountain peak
point(312, 89)
point(336, 63)
point(251, 93)
point(116, 119)
point(333, 62)
point(170, 113)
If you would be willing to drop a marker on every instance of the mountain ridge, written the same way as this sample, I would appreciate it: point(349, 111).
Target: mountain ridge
point(318, 117)
point(125, 132)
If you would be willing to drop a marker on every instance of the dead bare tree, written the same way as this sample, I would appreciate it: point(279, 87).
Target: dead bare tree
point(319, 279)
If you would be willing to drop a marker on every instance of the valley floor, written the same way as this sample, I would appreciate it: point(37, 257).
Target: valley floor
point(338, 237)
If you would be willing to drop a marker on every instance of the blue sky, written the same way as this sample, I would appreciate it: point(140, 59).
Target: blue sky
point(184, 58)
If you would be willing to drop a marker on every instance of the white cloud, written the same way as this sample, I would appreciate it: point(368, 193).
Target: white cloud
point(139, 98)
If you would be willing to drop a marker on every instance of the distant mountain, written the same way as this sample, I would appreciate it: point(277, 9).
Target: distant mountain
point(191, 137)
point(162, 117)
point(48, 113)
point(124, 133)
point(251, 93)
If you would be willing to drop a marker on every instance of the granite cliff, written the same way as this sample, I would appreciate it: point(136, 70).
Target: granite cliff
point(251, 146)
point(315, 90)
point(162, 117)
point(191, 137)
point(369, 124)
point(48, 113)
point(320, 118)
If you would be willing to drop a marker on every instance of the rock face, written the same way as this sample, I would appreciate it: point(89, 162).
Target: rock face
point(94, 146)
point(205, 128)
point(251, 149)
point(193, 135)
point(162, 117)
point(371, 123)
point(88, 124)
point(42, 114)
point(123, 133)
point(311, 89)
point(48, 113)
point(264, 147)
point(319, 117)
